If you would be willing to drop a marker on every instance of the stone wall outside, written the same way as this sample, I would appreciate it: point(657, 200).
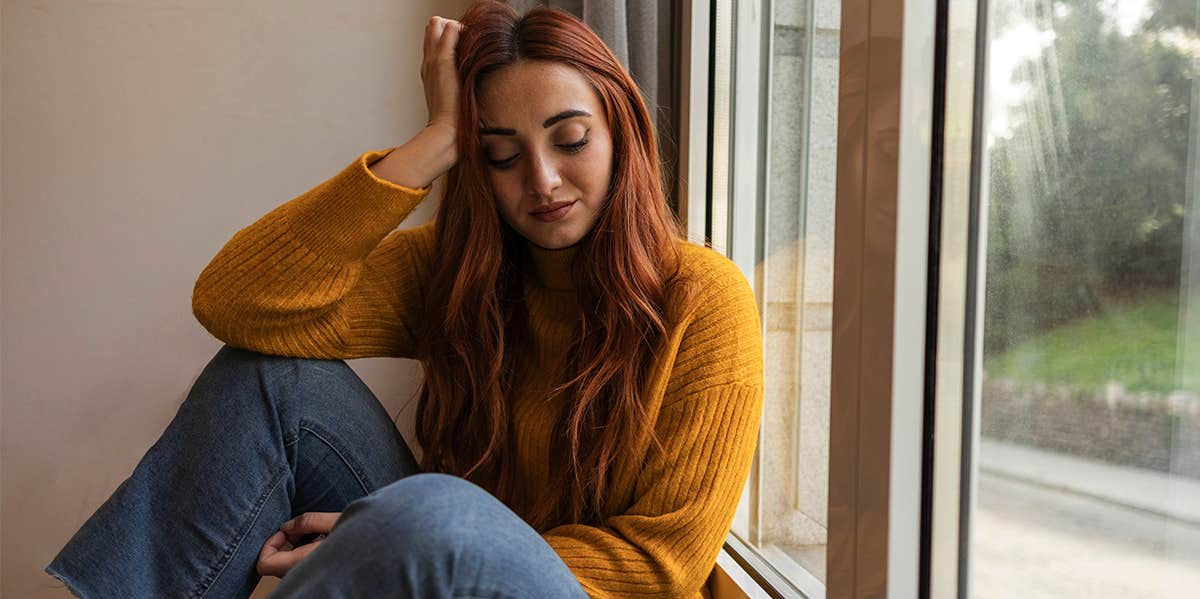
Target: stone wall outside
point(1143, 430)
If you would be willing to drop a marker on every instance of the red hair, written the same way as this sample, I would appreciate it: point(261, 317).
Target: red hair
point(624, 271)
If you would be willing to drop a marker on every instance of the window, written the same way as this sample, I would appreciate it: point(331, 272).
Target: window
point(774, 105)
point(1036, 162)
point(1088, 480)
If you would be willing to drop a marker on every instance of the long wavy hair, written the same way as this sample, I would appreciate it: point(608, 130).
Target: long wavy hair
point(624, 272)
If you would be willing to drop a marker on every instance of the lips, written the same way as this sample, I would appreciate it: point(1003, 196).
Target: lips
point(551, 207)
point(552, 212)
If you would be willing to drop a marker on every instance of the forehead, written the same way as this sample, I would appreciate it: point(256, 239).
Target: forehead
point(529, 91)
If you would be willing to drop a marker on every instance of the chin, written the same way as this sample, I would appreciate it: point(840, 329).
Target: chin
point(552, 238)
point(553, 242)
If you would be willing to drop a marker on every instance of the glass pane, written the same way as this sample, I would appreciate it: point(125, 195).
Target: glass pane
point(787, 524)
point(1089, 462)
point(722, 96)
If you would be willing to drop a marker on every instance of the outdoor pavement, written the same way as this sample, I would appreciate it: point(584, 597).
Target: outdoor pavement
point(1052, 526)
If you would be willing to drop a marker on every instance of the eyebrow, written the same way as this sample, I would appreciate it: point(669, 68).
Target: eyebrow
point(566, 114)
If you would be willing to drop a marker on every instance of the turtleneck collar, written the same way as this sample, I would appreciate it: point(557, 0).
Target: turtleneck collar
point(552, 268)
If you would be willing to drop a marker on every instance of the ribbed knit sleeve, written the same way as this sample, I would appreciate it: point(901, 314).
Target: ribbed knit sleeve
point(666, 543)
point(323, 275)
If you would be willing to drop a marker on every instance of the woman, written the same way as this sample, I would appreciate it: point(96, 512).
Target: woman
point(593, 381)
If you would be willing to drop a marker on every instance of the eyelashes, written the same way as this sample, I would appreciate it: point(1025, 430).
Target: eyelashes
point(571, 148)
point(575, 147)
point(503, 164)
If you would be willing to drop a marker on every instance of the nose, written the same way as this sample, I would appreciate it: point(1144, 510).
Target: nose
point(543, 177)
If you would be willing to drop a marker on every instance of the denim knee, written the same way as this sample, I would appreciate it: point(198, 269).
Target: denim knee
point(329, 386)
point(425, 497)
point(431, 535)
point(434, 513)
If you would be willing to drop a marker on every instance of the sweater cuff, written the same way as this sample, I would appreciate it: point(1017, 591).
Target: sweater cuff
point(371, 157)
point(349, 214)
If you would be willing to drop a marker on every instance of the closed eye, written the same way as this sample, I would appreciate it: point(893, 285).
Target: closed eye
point(504, 163)
point(574, 147)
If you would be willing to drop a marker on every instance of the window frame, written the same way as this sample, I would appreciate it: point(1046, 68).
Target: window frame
point(877, 501)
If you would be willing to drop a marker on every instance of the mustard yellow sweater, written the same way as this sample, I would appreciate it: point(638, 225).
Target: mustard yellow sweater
point(326, 275)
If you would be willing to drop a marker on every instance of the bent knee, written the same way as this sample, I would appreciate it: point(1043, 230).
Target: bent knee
point(447, 519)
point(427, 494)
point(234, 358)
point(235, 371)
point(434, 505)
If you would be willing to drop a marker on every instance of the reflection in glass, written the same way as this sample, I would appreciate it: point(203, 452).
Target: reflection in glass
point(789, 524)
point(1089, 463)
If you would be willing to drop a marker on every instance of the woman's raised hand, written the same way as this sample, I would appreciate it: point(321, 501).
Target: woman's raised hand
point(434, 150)
point(439, 73)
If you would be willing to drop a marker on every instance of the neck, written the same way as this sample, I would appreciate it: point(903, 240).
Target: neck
point(552, 268)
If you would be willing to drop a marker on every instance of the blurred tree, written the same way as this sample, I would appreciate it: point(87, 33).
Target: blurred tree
point(1087, 186)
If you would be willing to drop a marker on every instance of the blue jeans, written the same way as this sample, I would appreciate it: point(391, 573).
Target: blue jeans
point(261, 439)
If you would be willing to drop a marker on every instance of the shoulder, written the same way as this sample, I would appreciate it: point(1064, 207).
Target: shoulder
point(721, 337)
point(700, 258)
point(717, 284)
point(424, 238)
point(421, 236)
point(414, 243)
point(404, 260)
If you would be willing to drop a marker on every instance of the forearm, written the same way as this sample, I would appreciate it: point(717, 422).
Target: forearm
point(421, 160)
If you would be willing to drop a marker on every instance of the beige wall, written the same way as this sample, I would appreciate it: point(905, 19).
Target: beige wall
point(137, 138)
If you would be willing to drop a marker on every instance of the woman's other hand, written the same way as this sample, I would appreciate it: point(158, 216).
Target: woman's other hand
point(286, 548)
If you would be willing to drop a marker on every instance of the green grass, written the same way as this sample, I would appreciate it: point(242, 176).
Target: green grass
point(1134, 345)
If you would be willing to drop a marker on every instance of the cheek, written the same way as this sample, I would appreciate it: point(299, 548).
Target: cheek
point(601, 178)
point(592, 170)
point(507, 192)
point(601, 172)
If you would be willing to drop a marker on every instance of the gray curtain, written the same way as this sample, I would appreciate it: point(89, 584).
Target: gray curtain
point(642, 34)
